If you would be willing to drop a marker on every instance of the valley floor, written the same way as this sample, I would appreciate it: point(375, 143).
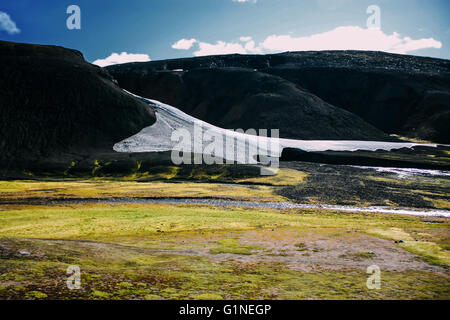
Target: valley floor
point(200, 251)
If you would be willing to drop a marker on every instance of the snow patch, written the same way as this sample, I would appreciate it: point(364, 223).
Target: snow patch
point(157, 137)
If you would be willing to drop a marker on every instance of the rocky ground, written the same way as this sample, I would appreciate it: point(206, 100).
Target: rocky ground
point(362, 186)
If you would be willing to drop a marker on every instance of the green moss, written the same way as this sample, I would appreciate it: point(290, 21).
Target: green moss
point(207, 296)
point(281, 177)
point(428, 250)
point(138, 166)
point(125, 285)
point(34, 295)
point(22, 190)
point(97, 294)
point(123, 256)
point(72, 164)
point(232, 246)
point(440, 203)
point(97, 167)
point(106, 275)
point(364, 255)
point(152, 297)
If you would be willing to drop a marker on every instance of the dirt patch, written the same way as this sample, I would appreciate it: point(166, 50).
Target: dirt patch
point(299, 250)
point(330, 250)
point(326, 249)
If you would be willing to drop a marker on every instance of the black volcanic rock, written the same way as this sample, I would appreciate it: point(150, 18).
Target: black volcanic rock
point(243, 98)
point(53, 102)
point(417, 157)
point(399, 94)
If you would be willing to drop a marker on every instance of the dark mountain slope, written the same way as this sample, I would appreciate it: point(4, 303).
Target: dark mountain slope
point(242, 98)
point(53, 102)
point(395, 93)
point(414, 104)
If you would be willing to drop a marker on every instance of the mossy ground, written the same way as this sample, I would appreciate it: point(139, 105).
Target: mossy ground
point(301, 182)
point(162, 182)
point(104, 189)
point(154, 251)
point(162, 251)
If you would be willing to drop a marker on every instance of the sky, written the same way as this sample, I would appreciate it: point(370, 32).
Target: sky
point(141, 30)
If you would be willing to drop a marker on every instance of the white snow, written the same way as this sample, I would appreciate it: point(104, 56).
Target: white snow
point(169, 119)
point(408, 172)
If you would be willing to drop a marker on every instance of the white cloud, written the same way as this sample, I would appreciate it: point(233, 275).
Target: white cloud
point(221, 47)
point(245, 39)
point(340, 38)
point(7, 24)
point(251, 47)
point(124, 57)
point(242, 1)
point(184, 44)
point(348, 38)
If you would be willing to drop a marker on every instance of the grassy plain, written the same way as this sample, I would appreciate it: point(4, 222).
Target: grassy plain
point(185, 251)
point(156, 251)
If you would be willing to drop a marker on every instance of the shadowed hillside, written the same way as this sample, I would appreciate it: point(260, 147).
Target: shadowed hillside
point(244, 98)
point(53, 102)
point(307, 92)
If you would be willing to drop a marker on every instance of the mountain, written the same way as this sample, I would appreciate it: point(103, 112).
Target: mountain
point(61, 115)
point(308, 95)
point(54, 103)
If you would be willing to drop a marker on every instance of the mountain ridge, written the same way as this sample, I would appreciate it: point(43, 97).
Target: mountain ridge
point(397, 94)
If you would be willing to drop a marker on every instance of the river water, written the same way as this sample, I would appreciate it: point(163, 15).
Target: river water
point(257, 204)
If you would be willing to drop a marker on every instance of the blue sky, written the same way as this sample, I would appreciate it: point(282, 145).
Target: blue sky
point(153, 28)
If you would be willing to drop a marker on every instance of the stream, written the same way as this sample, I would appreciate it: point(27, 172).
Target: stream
point(254, 204)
